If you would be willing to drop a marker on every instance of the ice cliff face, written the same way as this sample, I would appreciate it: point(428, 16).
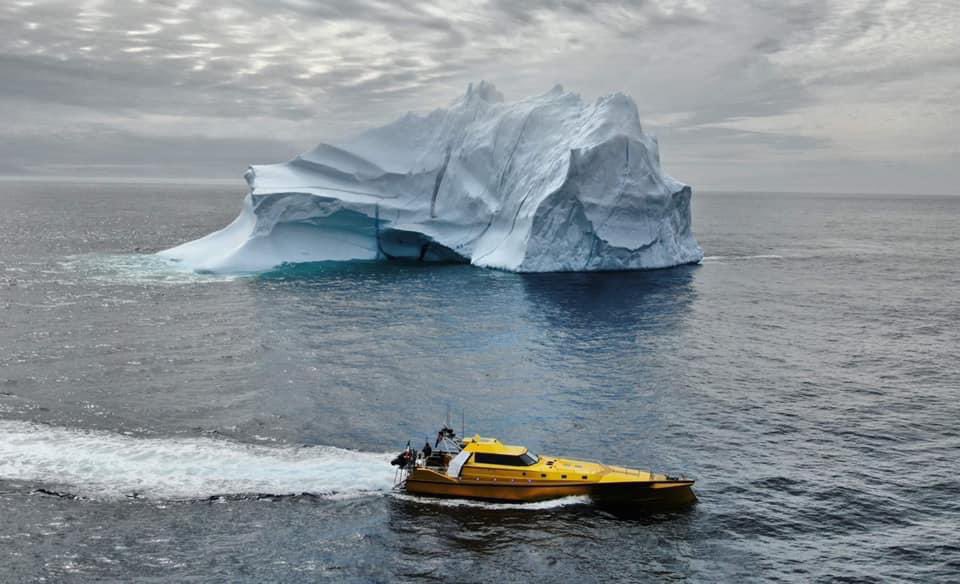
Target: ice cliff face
point(549, 183)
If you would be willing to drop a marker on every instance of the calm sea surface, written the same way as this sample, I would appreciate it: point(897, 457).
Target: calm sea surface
point(168, 426)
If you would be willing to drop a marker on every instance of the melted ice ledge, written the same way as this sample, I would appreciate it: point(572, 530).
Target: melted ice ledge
point(548, 183)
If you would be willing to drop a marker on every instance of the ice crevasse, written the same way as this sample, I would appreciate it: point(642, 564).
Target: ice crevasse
point(547, 183)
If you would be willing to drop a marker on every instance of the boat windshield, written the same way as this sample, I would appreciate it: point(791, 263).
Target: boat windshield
point(525, 459)
point(448, 445)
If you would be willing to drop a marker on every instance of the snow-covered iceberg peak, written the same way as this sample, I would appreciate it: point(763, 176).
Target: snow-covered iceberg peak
point(547, 183)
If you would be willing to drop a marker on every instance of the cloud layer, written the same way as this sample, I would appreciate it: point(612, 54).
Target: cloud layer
point(852, 95)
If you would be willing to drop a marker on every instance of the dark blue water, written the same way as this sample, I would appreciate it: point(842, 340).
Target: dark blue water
point(806, 374)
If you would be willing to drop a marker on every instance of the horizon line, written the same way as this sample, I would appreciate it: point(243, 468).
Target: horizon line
point(240, 180)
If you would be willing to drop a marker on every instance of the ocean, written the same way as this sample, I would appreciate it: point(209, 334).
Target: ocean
point(166, 426)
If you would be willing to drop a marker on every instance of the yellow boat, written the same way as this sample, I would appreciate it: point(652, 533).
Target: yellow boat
point(486, 469)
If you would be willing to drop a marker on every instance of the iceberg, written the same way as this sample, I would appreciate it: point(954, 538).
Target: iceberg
point(548, 183)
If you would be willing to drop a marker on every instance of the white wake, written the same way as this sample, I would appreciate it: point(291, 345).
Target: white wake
point(537, 506)
point(106, 465)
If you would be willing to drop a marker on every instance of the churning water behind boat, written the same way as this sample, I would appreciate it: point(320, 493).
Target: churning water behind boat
point(104, 465)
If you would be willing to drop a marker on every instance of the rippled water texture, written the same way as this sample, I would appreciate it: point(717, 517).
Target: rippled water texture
point(164, 424)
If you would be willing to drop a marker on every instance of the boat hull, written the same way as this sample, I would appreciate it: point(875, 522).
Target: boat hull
point(661, 495)
point(645, 494)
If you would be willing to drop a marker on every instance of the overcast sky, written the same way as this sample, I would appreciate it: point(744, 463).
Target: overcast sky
point(857, 95)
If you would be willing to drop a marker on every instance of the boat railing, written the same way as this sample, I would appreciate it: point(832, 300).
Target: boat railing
point(443, 450)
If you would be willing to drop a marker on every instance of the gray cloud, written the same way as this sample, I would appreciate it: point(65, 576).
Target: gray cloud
point(205, 88)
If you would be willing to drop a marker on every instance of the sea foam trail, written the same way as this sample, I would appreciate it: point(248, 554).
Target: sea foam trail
point(536, 506)
point(106, 465)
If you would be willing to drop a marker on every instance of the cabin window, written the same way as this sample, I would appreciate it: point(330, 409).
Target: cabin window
point(525, 459)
